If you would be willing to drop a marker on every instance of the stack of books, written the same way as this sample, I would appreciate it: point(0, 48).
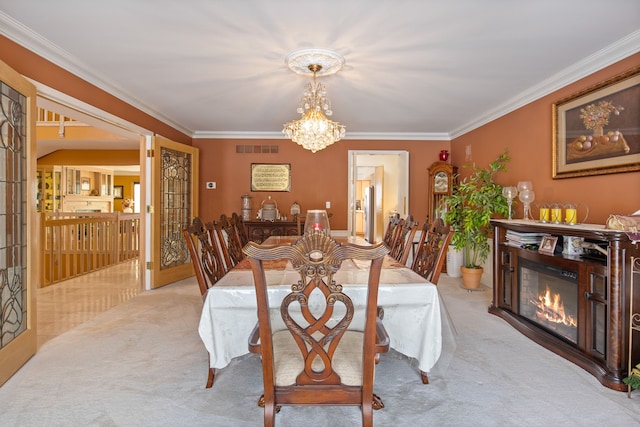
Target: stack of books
point(524, 240)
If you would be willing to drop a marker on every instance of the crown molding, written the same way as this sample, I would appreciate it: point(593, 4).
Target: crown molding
point(613, 53)
point(33, 41)
point(378, 136)
point(623, 48)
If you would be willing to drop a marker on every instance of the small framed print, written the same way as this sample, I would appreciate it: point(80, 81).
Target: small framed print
point(85, 184)
point(548, 245)
point(118, 191)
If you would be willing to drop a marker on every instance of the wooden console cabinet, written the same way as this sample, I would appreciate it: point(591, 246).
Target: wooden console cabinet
point(259, 231)
point(604, 285)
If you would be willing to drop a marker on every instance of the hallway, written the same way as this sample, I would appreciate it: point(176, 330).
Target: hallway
point(67, 304)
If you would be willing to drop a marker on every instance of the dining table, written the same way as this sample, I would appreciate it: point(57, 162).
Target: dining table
point(411, 304)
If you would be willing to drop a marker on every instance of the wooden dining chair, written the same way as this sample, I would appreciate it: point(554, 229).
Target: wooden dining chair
point(207, 263)
point(315, 357)
point(403, 241)
point(230, 241)
point(389, 234)
point(432, 247)
point(238, 223)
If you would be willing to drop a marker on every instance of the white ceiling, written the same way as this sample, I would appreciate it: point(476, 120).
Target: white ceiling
point(415, 69)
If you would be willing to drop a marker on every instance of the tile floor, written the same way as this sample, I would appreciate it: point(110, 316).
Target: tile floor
point(65, 305)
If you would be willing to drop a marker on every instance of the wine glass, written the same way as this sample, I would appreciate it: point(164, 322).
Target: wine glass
point(510, 193)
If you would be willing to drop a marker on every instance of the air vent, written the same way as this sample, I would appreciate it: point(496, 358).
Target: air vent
point(256, 149)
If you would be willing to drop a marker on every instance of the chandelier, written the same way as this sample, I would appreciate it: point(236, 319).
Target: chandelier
point(314, 131)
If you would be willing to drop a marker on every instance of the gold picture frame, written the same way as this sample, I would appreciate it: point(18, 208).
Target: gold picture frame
point(270, 177)
point(597, 131)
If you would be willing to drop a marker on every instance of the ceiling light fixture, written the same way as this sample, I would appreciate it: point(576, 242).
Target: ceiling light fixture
point(313, 130)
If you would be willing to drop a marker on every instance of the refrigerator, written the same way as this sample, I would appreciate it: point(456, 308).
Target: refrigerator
point(369, 214)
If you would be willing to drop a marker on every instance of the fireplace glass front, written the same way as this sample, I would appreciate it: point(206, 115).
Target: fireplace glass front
point(548, 296)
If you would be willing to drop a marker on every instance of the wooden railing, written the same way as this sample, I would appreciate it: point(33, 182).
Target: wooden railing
point(77, 243)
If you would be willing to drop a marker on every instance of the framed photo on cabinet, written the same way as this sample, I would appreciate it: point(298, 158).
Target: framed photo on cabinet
point(548, 245)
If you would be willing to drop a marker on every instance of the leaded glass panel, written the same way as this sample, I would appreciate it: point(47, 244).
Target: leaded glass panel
point(175, 206)
point(13, 214)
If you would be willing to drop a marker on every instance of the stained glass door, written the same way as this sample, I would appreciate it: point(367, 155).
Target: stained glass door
point(174, 175)
point(18, 197)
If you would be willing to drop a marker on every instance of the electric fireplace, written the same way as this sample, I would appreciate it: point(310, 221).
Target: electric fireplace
point(548, 297)
point(576, 306)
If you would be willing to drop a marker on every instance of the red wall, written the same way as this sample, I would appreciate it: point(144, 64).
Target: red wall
point(315, 178)
point(527, 134)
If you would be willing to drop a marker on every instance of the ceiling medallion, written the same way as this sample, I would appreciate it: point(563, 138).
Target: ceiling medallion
point(330, 62)
point(313, 130)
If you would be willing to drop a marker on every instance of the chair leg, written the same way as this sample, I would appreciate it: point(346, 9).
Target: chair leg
point(261, 404)
point(377, 402)
point(425, 378)
point(210, 378)
point(367, 416)
point(270, 415)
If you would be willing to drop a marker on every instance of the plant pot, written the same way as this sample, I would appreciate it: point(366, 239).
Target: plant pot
point(471, 277)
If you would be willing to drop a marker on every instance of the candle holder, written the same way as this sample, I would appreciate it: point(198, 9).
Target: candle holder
point(524, 185)
point(527, 197)
point(317, 219)
point(510, 193)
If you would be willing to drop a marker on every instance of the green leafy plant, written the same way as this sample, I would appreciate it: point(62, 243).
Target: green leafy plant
point(633, 380)
point(471, 206)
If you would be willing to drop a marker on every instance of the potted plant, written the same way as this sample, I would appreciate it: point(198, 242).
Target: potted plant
point(468, 210)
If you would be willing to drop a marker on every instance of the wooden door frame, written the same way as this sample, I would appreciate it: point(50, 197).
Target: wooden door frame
point(403, 184)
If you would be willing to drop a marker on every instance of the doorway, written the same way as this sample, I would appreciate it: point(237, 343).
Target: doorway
point(116, 134)
point(383, 176)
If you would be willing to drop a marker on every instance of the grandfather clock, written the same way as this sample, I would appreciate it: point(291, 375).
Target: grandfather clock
point(440, 185)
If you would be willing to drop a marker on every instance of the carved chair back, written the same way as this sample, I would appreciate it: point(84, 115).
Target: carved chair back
point(325, 349)
point(238, 223)
point(389, 234)
point(432, 248)
point(206, 260)
point(230, 241)
point(403, 240)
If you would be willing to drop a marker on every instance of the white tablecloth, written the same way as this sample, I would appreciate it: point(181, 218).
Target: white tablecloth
point(411, 305)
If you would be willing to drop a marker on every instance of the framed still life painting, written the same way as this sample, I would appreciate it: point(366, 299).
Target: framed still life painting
point(597, 131)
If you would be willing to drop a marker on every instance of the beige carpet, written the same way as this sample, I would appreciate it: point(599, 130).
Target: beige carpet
point(142, 364)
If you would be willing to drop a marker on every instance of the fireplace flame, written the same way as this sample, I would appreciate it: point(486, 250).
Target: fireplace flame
point(551, 308)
